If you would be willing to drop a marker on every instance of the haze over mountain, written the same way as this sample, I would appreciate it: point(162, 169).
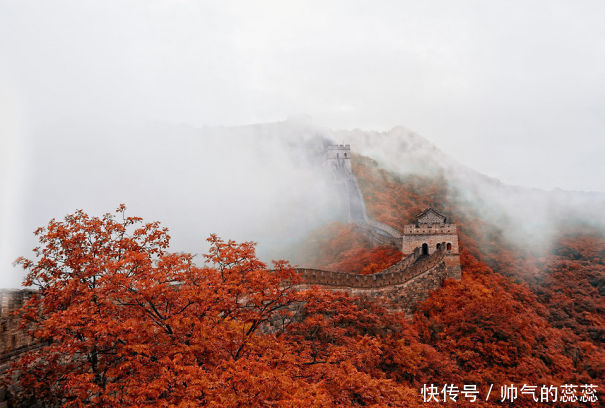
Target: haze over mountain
point(521, 78)
point(528, 216)
point(265, 183)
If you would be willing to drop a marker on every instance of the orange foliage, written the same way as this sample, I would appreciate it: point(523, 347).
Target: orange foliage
point(547, 325)
point(366, 261)
point(123, 322)
point(396, 200)
point(494, 329)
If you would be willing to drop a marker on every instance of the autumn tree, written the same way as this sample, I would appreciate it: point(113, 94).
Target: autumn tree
point(122, 321)
point(494, 329)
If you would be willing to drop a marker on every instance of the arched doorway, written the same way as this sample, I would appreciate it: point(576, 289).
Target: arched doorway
point(425, 249)
point(438, 247)
point(449, 246)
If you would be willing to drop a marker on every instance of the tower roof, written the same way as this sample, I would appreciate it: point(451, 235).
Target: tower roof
point(431, 216)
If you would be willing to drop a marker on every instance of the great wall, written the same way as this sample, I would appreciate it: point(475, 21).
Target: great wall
point(431, 245)
point(402, 285)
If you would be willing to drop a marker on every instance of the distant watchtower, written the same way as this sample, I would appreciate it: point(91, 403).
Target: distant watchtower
point(339, 157)
point(432, 232)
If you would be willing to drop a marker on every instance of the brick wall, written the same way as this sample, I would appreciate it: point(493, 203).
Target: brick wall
point(403, 296)
point(402, 285)
point(12, 339)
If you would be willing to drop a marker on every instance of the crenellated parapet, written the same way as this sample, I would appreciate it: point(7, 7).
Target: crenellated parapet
point(432, 232)
point(14, 340)
point(430, 229)
point(401, 286)
point(411, 266)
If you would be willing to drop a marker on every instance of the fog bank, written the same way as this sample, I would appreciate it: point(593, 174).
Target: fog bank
point(528, 217)
point(263, 183)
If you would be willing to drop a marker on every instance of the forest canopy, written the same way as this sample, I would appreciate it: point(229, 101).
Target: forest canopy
point(122, 321)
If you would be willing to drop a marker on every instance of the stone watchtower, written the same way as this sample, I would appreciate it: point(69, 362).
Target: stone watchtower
point(432, 232)
point(339, 157)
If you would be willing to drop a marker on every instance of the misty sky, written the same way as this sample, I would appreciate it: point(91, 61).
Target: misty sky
point(513, 89)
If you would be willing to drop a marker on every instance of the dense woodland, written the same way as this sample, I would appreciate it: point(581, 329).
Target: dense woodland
point(124, 322)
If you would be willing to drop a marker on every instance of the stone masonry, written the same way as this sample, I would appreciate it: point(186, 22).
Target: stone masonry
point(431, 244)
point(338, 160)
point(432, 232)
point(12, 339)
point(402, 285)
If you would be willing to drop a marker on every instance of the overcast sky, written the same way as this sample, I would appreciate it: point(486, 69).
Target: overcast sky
point(514, 89)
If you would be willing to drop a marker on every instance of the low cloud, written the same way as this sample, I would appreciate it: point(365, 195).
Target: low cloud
point(527, 217)
point(266, 183)
point(263, 183)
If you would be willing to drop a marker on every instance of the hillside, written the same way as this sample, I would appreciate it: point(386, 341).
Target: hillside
point(530, 306)
point(528, 310)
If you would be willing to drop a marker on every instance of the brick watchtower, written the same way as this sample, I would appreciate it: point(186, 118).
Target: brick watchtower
point(431, 232)
point(339, 157)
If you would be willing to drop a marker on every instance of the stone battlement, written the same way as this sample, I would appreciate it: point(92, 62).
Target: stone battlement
point(429, 229)
point(401, 287)
point(11, 336)
point(413, 265)
point(340, 147)
point(431, 243)
point(14, 340)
